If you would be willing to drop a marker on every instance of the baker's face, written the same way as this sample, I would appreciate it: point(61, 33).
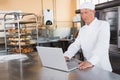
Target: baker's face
point(87, 15)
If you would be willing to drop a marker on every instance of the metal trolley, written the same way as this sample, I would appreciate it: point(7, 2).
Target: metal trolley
point(21, 32)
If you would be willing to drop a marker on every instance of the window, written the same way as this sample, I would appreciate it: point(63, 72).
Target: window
point(88, 0)
point(102, 1)
point(82, 1)
point(94, 1)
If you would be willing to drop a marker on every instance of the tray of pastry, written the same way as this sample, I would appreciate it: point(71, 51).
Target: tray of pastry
point(22, 43)
point(21, 31)
point(23, 50)
point(17, 44)
point(21, 39)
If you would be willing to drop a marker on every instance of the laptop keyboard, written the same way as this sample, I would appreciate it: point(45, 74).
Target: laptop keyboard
point(72, 63)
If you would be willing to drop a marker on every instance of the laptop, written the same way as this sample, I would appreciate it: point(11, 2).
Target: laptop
point(53, 58)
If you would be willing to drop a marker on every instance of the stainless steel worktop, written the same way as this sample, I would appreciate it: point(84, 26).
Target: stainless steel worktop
point(33, 70)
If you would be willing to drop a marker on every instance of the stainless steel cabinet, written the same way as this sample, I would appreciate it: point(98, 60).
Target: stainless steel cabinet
point(112, 15)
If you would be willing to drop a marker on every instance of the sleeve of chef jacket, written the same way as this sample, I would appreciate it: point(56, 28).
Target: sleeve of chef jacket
point(73, 48)
point(102, 44)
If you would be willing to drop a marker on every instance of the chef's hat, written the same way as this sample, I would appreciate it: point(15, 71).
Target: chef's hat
point(87, 5)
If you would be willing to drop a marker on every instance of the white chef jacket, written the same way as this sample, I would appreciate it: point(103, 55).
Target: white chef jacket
point(93, 39)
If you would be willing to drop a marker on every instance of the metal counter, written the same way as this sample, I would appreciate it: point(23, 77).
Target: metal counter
point(33, 70)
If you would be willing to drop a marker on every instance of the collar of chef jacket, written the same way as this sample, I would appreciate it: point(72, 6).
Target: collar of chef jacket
point(92, 24)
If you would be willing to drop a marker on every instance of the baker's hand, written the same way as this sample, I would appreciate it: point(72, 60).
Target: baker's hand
point(66, 58)
point(85, 65)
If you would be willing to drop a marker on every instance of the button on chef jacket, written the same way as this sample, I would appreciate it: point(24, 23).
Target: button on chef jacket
point(93, 39)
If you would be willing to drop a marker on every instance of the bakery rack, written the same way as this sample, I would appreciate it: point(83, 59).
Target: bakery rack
point(21, 32)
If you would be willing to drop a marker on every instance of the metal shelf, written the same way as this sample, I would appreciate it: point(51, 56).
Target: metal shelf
point(20, 27)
